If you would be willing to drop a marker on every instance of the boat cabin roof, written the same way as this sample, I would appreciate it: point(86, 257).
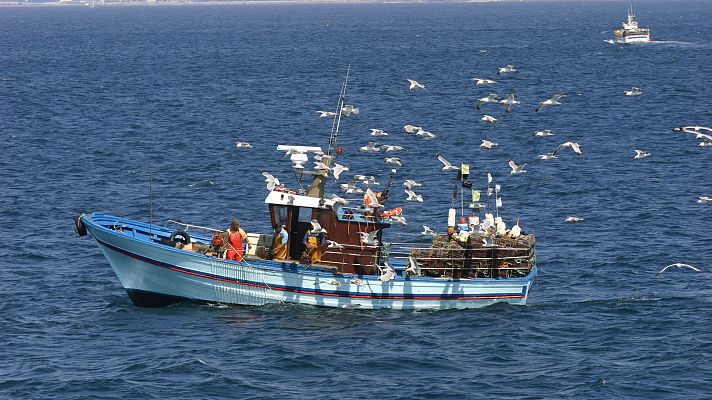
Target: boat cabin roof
point(290, 198)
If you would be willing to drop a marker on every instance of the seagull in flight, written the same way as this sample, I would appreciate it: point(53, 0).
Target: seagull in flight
point(573, 145)
point(369, 238)
point(378, 132)
point(554, 101)
point(573, 219)
point(326, 114)
point(415, 85)
point(425, 134)
point(509, 102)
point(393, 160)
point(427, 231)
point(679, 265)
point(316, 228)
point(545, 132)
point(370, 147)
point(272, 182)
point(489, 118)
point(333, 244)
point(348, 109)
point(389, 147)
point(387, 273)
point(506, 69)
point(641, 154)
point(547, 156)
point(243, 145)
point(487, 144)
point(516, 169)
point(337, 170)
point(704, 199)
point(412, 196)
point(412, 128)
point(634, 91)
point(447, 165)
point(482, 81)
point(410, 184)
point(413, 266)
point(338, 200)
point(491, 98)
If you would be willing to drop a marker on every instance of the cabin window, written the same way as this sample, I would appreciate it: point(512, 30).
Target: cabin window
point(280, 215)
point(305, 214)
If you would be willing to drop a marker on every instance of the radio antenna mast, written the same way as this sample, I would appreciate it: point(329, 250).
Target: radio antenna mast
point(337, 119)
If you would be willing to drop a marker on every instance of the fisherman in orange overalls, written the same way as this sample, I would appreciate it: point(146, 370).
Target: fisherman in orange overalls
point(234, 241)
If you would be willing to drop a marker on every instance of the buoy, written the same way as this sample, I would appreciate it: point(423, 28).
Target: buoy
point(79, 226)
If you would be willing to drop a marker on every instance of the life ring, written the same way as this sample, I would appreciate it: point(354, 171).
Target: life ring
point(392, 212)
point(79, 226)
point(185, 239)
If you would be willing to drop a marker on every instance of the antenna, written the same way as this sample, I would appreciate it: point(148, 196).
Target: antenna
point(337, 120)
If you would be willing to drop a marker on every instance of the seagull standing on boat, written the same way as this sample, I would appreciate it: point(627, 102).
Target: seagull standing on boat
point(516, 230)
point(554, 101)
point(412, 196)
point(488, 145)
point(491, 98)
point(634, 91)
point(489, 118)
point(679, 265)
point(509, 102)
point(413, 266)
point(243, 145)
point(482, 81)
point(506, 69)
point(272, 182)
point(641, 154)
point(516, 169)
point(415, 85)
point(447, 165)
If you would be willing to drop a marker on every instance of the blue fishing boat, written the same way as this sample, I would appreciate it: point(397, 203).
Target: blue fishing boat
point(161, 264)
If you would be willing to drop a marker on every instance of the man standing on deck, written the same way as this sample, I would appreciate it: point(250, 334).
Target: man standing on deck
point(315, 242)
point(279, 243)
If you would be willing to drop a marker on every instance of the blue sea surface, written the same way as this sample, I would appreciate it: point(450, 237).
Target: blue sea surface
point(93, 100)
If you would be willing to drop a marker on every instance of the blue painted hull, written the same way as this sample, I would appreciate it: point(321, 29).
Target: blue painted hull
point(157, 275)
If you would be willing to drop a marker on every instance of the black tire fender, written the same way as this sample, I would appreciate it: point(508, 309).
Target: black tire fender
point(184, 237)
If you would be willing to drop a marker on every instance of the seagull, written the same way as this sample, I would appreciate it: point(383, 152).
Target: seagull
point(506, 69)
point(641, 154)
point(348, 109)
point(634, 91)
point(318, 165)
point(337, 170)
point(338, 200)
point(389, 147)
point(487, 144)
point(489, 118)
point(413, 266)
point(447, 165)
point(545, 132)
point(272, 182)
point(243, 145)
point(316, 228)
point(350, 187)
point(412, 128)
point(491, 98)
point(378, 132)
point(706, 143)
point(370, 147)
point(679, 265)
point(415, 85)
point(704, 199)
point(482, 81)
point(368, 180)
point(373, 200)
point(516, 169)
point(398, 218)
point(369, 238)
point(387, 273)
point(393, 160)
point(547, 156)
point(509, 102)
point(554, 101)
point(326, 114)
point(410, 184)
point(516, 230)
point(427, 231)
point(333, 244)
point(573, 145)
point(327, 282)
point(692, 129)
point(425, 134)
point(412, 196)
point(573, 219)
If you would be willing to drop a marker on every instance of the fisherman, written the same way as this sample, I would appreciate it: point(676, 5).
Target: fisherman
point(236, 237)
point(315, 244)
point(279, 243)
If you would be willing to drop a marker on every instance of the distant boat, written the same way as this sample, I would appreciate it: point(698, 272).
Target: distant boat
point(630, 32)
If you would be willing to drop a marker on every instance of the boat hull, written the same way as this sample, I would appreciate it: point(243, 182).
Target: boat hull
point(155, 275)
point(633, 39)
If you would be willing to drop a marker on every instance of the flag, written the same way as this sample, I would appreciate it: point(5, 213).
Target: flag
point(465, 169)
point(498, 203)
point(475, 195)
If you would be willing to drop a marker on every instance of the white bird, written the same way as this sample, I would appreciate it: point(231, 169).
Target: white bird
point(338, 200)
point(333, 245)
point(425, 134)
point(327, 282)
point(501, 227)
point(399, 219)
point(387, 273)
point(491, 98)
point(487, 144)
point(369, 238)
point(482, 81)
point(412, 196)
point(389, 147)
point(704, 199)
point(641, 154)
point(352, 190)
point(573, 219)
point(447, 165)
point(316, 228)
point(415, 85)
point(320, 166)
point(516, 169)
point(413, 266)
point(506, 69)
point(350, 187)
point(509, 102)
point(326, 114)
point(338, 169)
point(378, 132)
point(243, 145)
point(694, 129)
point(272, 182)
point(364, 178)
point(706, 143)
point(545, 132)
point(573, 145)
point(516, 230)
point(373, 200)
point(410, 184)
point(370, 147)
point(348, 109)
point(393, 160)
point(554, 101)
point(488, 118)
point(547, 156)
point(633, 92)
point(427, 231)
point(412, 128)
point(679, 265)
